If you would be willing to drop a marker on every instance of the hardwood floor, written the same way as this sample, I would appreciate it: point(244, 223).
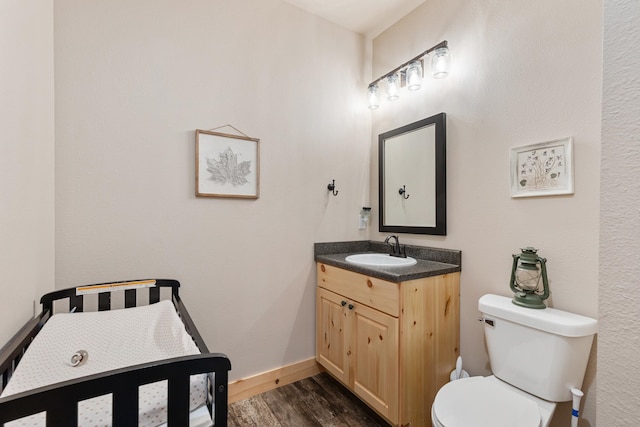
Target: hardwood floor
point(316, 401)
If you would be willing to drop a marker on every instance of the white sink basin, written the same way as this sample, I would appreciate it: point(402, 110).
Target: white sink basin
point(380, 260)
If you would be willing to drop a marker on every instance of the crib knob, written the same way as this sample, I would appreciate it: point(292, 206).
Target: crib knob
point(79, 357)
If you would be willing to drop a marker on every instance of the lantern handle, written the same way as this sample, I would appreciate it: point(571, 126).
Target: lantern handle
point(516, 258)
point(545, 283)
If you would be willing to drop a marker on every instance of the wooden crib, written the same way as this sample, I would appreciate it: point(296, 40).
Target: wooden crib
point(60, 401)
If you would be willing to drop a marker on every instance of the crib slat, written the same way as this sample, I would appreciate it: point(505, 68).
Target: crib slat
point(125, 405)
point(178, 400)
point(76, 301)
point(63, 415)
point(129, 298)
point(220, 397)
point(154, 295)
point(104, 301)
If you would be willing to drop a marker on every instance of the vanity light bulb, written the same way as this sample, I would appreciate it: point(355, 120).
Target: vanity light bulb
point(372, 95)
point(392, 87)
point(440, 63)
point(414, 75)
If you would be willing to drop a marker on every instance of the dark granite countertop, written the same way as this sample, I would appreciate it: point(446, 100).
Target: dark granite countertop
point(431, 261)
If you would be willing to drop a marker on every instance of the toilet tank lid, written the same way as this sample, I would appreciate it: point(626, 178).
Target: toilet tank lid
point(548, 319)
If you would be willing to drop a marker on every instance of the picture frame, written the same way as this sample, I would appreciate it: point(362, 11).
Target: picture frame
point(227, 165)
point(544, 169)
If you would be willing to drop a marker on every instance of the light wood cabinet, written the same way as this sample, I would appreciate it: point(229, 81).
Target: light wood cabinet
point(392, 344)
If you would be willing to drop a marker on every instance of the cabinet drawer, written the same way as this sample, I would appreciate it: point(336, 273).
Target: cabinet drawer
point(375, 293)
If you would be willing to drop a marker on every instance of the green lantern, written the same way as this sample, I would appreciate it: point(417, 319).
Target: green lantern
point(528, 268)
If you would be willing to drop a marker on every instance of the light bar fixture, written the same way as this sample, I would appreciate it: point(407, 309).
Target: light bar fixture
point(410, 74)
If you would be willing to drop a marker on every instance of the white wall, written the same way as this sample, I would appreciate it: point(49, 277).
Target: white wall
point(26, 159)
point(619, 342)
point(134, 79)
point(522, 72)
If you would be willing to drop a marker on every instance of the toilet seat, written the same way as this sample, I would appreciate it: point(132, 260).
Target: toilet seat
point(481, 402)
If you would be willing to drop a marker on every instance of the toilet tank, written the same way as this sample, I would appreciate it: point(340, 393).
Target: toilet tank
point(541, 351)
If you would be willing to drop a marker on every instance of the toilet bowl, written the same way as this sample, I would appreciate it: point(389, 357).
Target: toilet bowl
point(488, 402)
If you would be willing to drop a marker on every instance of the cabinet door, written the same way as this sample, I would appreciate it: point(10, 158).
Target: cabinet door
point(376, 366)
point(331, 334)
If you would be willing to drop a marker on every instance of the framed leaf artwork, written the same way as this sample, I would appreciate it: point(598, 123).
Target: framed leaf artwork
point(227, 165)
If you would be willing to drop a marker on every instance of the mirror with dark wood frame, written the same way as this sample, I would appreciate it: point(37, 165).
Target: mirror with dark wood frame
point(412, 178)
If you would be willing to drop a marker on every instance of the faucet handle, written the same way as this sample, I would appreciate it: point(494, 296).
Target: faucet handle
point(396, 249)
point(391, 236)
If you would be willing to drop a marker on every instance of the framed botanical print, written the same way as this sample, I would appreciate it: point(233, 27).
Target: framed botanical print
point(543, 169)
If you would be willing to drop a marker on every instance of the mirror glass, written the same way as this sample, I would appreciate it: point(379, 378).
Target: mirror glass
point(412, 178)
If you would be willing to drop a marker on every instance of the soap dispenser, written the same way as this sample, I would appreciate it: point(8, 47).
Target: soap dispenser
point(365, 213)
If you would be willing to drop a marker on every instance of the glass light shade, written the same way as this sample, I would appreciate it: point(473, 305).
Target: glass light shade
point(414, 75)
point(393, 88)
point(527, 277)
point(440, 63)
point(372, 95)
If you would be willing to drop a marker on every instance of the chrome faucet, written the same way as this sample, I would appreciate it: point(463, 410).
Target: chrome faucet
point(396, 249)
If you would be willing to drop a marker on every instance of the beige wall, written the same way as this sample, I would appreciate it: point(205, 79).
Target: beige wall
point(26, 159)
point(619, 343)
point(522, 72)
point(134, 79)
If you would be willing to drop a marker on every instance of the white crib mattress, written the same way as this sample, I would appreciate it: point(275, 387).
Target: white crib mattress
point(113, 339)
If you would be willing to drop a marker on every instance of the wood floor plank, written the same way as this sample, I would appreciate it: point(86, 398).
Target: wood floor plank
point(312, 394)
point(346, 405)
point(318, 401)
point(252, 412)
point(287, 408)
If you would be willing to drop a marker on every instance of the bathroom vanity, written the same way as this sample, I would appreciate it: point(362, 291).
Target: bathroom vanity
point(389, 334)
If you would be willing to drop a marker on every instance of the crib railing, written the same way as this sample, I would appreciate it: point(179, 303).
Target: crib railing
point(104, 291)
point(60, 401)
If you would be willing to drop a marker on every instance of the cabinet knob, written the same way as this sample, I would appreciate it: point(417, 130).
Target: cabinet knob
point(350, 306)
point(343, 303)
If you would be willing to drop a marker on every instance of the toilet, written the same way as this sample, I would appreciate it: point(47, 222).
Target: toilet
point(537, 356)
